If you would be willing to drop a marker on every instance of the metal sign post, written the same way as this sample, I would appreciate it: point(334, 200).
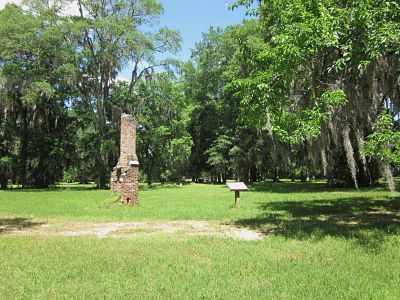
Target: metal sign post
point(237, 187)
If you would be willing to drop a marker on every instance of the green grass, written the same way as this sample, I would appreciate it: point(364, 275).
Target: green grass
point(169, 202)
point(320, 244)
point(204, 268)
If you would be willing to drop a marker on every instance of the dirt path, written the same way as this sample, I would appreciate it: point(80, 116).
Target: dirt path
point(30, 227)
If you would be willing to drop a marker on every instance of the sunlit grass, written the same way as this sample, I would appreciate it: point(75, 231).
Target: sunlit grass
point(276, 268)
point(169, 202)
point(319, 244)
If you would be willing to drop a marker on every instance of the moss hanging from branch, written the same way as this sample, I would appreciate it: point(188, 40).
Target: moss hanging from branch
point(348, 147)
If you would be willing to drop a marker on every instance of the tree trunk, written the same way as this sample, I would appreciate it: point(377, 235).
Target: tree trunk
point(23, 159)
point(149, 179)
point(219, 178)
point(101, 172)
point(328, 170)
point(304, 175)
point(293, 176)
point(275, 178)
point(330, 179)
point(3, 183)
point(253, 174)
point(245, 174)
point(387, 173)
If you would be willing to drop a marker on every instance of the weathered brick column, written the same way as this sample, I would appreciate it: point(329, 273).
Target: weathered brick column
point(125, 175)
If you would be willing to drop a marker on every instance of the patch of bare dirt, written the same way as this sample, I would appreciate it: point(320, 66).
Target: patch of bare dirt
point(134, 229)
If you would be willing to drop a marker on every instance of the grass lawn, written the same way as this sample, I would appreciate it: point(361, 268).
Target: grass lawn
point(319, 243)
point(190, 202)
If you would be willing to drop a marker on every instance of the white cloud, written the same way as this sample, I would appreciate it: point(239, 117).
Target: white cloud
point(71, 9)
point(122, 78)
point(4, 2)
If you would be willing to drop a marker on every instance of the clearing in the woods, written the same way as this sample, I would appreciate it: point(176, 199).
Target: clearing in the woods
point(288, 240)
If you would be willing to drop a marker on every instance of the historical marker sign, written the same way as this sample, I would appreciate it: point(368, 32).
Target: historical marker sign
point(237, 187)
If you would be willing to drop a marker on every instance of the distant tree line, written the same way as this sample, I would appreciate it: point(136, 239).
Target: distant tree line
point(303, 89)
point(61, 98)
point(326, 83)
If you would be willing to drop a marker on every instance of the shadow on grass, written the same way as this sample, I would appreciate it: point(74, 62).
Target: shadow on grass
point(163, 186)
point(365, 220)
point(287, 187)
point(91, 187)
point(54, 189)
point(14, 224)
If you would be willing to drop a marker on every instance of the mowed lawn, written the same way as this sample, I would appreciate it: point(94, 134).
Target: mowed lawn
point(188, 202)
point(319, 243)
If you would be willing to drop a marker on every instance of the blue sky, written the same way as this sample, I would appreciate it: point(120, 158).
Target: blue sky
point(193, 17)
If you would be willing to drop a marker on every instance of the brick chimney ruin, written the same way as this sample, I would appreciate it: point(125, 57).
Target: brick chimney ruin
point(125, 175)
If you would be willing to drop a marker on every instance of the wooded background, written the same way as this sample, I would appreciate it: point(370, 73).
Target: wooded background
point(303, 89)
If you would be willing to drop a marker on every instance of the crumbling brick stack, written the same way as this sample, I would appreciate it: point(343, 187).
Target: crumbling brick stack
point(125, 175)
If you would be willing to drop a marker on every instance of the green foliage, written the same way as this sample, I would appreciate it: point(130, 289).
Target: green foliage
point(180, 150)
point(162, 112)
point(216, 122)
point(58, 75)
point(314, 80)
point(299, 32)
point(384, 142)
point(34, 121)
point(294, 90)
point(218, 153)
point(106, 38)
point(6, 163)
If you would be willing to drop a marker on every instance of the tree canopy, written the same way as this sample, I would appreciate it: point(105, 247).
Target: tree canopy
point(302, 89)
